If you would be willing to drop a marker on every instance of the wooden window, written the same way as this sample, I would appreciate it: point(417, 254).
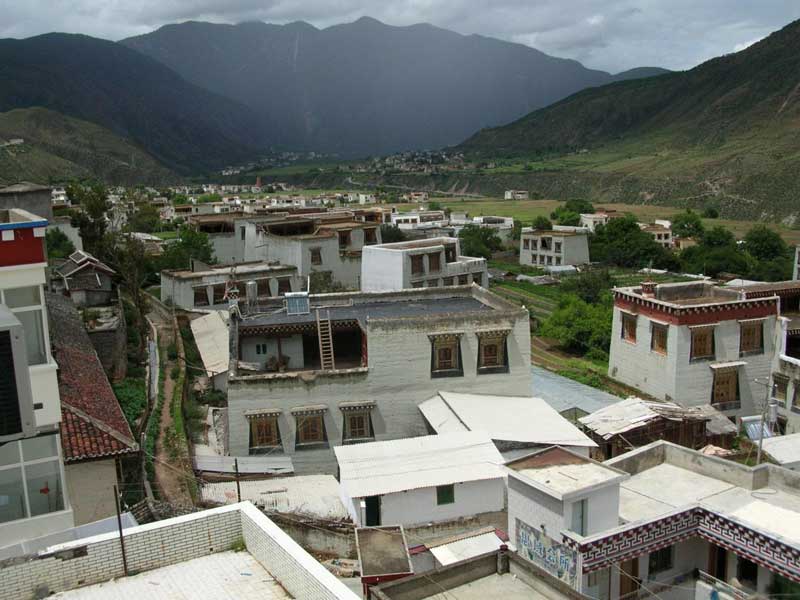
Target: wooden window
point(200, 296)
point(629, 327)
point(316, 256)
point(796, 396)
point(264, 433)
point(310, 429)
point(660, 560)
point(219, 293)
point(726, 387)
point(417, 265)
point(370, 237)
point(702, 343)
point(751, 337)
point(445, 494)
point(492, 354)
point(357, 425)
point(463, 279)
point(445, 359)
point(434, 262)
point(780, 386)
point(658, 337)
point(284, 285)
point(262, 288)
point(344, 239)
point(526, 244)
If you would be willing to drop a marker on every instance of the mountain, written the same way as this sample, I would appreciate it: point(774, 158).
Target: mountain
point(179, 124)
point(728, 129)
point(57, 148)
point(365, 87)
point(640, 73)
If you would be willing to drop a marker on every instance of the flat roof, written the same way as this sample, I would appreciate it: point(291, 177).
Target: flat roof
point(561, 473)
point(507, 587)
point(784, 449)
point(391, 466)
point(389, 308)
point(506, 418)
point(417, 244)
point(221, 576)
point(249, 268)
point(18, 218)
point(382, 551)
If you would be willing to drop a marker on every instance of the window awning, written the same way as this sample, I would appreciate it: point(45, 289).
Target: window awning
point(262, 412)
point(493, 333)
point(734, 364)
point(752, 320)
point(357, 405)
point(445, 336)
point(314, 409)
point(703, 326)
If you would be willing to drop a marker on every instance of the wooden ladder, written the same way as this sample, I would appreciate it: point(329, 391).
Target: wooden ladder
point(325, 342)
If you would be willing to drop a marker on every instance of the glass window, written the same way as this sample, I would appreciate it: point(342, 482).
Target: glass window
point(434, 262)
point(310, 429)
point(660, 560)
point(629, 327)
point(34, 335)
point(445, 494)
point(9, 454)
point(44, 487)
point(579, 517)
point(702, 343)
point(24, 296)
point(751, 337)
point(12, 495)
point(264, 434)
point(658, 338)
point(45, 446)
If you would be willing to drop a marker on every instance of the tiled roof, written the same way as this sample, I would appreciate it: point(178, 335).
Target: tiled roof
point(93, 425)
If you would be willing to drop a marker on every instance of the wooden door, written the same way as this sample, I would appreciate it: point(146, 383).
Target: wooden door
point(629, 577)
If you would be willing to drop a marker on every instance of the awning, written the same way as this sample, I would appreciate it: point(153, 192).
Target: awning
point(314, 409)
point(262, 412)
point(356, 405)
point(734, 364)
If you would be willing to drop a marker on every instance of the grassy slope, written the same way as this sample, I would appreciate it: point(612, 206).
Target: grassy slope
point(58, 148)
point(727, 130)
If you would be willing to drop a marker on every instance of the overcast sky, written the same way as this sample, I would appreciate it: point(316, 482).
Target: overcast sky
point(612, 35)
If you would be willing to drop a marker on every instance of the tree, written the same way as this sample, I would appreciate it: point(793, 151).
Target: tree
point(91, 220)
point(542, 223)
point(621, 242)
point(688, 224)
point(190, 245)
point(391, 234)
point(145, 220)
point(718, 237)
point(131, 263)
point(711, 212)
point(58, 244)
point(762, 243)
point(580, 327)
point(590, 286)
point(479, 241)
point(209, 198)
point(516, 230)
point(569, 213)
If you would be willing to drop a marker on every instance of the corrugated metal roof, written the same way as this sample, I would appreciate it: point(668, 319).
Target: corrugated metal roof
point(378, 468)
point(633, 413)
point(468, 547)
point(211, 336)
point(506, 418)
point(247, 464)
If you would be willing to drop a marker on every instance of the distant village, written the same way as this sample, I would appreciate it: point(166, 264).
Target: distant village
point(327, 397)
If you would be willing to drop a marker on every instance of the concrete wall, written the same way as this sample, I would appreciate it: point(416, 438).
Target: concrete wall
point(535, 508)
point(398, 379)
point(37, 202)
point(414, 507)
point(99, 558)
point(91, 489)
point(291, 348)
point(382, 269)
point(180, 291)
point(574, 249)
point(674, 377)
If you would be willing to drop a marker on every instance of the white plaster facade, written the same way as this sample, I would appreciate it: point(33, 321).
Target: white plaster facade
point(395, 376)
point(90, 486)
point(553, 248)
point(388, 267)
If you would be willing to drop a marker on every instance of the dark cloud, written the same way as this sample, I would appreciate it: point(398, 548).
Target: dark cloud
point(609, 34)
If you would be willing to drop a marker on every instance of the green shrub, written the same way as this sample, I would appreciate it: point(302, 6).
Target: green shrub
point(131, 394)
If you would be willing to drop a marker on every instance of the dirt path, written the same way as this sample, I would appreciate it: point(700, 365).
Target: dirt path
point(171, 479)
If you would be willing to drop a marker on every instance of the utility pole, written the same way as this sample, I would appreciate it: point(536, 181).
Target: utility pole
point(761, 423)
point(119, 527)
point(238, 489)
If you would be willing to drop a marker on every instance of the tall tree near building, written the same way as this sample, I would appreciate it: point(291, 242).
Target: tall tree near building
point(131, 262)
point(91, 220)
point(479, 241)
point(58, 244)
point(688, 224)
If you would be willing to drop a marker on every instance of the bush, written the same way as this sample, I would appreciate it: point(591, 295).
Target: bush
point(175, 373)
point(131, 394)
point(172, 351)
point(579, 327)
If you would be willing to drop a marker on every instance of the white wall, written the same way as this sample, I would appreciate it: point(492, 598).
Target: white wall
point(91, 489)
point(291, 347)
point(417, 507)
point(382, 269)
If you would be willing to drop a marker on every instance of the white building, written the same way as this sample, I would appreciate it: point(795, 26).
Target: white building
point(516, 195)
point(208, 287)
point(355, 366)
point(694, 344)
point(784, 450)
point(552, 248)
point(60, 198)
point(33, 496)
point(661, 231)
point(417, 219)
point(656, 519)
point(432, 262)
point(421, 480)
point(516, 424)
